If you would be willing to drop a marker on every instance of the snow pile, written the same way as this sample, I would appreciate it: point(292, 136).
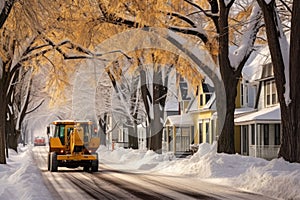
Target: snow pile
point(132, 159)
point(21, 178)
point(207, 163)
point(276, 178)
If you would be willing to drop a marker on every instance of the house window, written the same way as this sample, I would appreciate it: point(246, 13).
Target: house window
point(252, 134)
point(207, 131)
point(204, 98)
point(245, 139)
point(201, 100)
point(207, 97)
point(123, 135)
point(244, 94)
point(192, 135)
point(271, 93)
point(274, 93)
point(200, 133)
point(266, 134)
point(277, 134)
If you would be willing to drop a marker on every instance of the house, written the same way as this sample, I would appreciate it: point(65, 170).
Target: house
point(194, 124)
point(117, 133)
point(260, 129)
point(201, 111)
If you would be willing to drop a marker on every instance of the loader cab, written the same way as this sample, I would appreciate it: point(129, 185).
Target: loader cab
point(63, 131)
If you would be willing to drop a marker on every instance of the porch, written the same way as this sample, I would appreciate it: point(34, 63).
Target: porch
point(260, 133)
point(179, 134)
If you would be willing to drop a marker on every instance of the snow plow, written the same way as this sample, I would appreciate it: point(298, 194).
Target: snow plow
point(73, 144)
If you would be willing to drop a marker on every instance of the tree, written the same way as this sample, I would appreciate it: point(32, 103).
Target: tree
point(285, 60)
point(126, 107)
point(154, 102)
point(210, 23)
point(3, 17)
point(31, 37)
point(18, 104)
point(21, 104)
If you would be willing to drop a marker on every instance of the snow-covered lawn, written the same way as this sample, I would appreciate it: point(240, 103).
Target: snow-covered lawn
point(21, 179)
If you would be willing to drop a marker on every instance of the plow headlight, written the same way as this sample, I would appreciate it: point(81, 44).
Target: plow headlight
point(62, 151)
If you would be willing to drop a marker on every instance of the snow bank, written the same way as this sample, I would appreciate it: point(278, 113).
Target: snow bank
point(276, 178)
point(132, 159)
point(21, 178)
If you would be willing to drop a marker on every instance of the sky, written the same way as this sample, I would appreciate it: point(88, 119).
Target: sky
point(276, 178)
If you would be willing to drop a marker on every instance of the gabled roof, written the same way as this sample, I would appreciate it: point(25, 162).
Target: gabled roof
point(210, 104)
point(179, 120)
point(266, 115)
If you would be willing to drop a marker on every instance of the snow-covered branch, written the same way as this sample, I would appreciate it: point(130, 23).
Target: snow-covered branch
point(241, 54)
point(24, 104)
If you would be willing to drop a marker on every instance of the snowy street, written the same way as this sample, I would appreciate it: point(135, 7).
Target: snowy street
point(142, 174)
point(111, 183)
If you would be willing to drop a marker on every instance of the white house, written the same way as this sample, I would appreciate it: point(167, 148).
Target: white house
point(260, 130)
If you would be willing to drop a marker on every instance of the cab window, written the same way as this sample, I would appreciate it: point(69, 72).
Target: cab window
point(60, 133)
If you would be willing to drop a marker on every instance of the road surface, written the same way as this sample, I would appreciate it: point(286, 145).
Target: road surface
point(116, 184)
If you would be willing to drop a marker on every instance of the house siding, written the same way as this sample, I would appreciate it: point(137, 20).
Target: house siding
point(202, 118)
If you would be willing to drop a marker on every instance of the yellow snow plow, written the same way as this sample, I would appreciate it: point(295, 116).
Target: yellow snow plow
point(73, 144)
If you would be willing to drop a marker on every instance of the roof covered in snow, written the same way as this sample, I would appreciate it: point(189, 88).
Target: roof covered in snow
point(253, 67)
point(179, 120)
point(238, 112)
point(266, 115)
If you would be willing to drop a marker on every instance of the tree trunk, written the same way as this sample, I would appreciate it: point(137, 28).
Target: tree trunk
point(2, 122)
point(156, 124)
point(230, 80)
point(102, 124)
point(290, 144)
point(156, 136)
point(147, 100)
point(290, 114)
point(12, 134)
point(159, 98)
point(13, 140)
point(226, 138)
point(132, 135)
